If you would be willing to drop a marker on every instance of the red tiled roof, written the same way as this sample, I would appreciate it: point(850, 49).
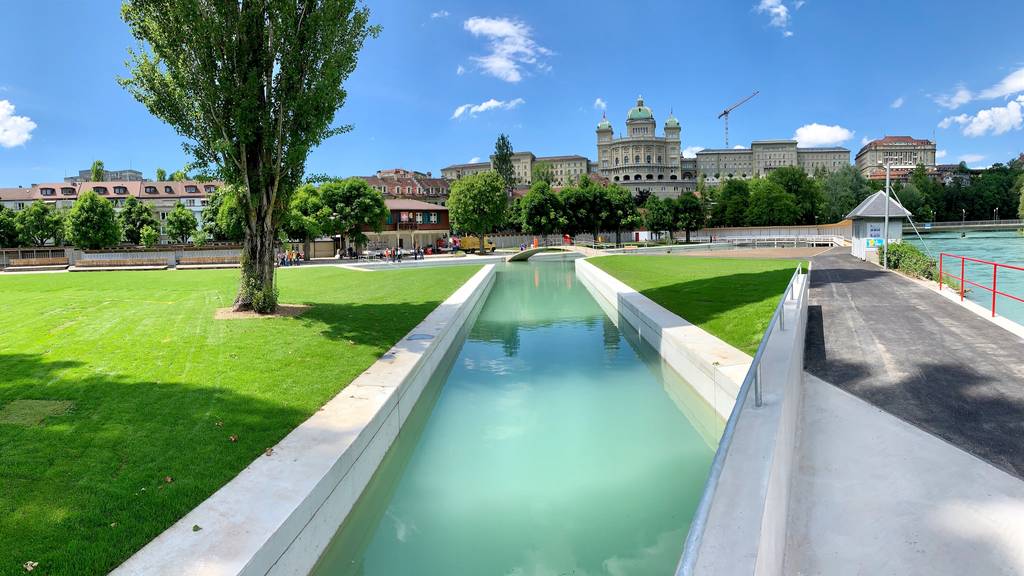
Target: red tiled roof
point(164, 189)
point(15, 193)
point(410, 204)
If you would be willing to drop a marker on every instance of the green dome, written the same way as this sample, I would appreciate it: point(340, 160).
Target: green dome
point(640, 112)
point(604, 124)
point(671, 122)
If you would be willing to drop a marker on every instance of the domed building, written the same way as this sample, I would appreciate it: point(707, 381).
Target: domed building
point(641, 160)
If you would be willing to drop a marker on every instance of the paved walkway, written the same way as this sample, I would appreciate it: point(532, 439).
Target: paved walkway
point(874, 495)
point(912, 353)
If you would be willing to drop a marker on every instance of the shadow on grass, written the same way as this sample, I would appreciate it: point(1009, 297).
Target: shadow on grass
point(84, 490)
point(376, 325)
point(705, 299)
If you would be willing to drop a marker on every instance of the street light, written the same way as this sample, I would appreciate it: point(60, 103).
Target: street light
point(995, 214)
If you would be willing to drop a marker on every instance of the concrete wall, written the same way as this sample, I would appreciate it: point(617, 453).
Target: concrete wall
point(279, 514)
point(170, 253)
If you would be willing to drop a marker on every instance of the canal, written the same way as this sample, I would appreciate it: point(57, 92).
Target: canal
point(547, 443)
point(1005, 247)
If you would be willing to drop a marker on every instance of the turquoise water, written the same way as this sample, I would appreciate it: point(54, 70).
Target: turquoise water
point(1005, 247)
point(551, 444)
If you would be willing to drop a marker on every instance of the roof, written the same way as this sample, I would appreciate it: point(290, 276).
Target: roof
point(569, 157)
point(640, 112)
point(15, 193)
point(874, 207)
point(142, 189)
point(671, 121)
point(895, 140)
point(407, 204)
point(604, 124)
point(470, 165)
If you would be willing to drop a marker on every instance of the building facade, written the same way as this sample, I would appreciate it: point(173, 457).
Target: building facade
point(642, 161)
point(564, 169)
point(763, 156)
point(108, 176)
point(161, 197)
point(410, 184)
point(410, 224)
point(901, 150)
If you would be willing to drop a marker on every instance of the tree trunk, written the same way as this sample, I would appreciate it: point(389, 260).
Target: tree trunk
point(687, 235)
point(257, 259)
point(305, 249)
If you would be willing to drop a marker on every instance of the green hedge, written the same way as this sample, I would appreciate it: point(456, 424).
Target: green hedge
point(910, 260)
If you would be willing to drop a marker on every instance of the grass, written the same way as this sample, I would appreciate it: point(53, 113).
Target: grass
point(731, 298)
point(144, 390)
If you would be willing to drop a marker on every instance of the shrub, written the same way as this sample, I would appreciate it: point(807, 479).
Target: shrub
point(910, 260)
point(148, 236)
point(262, 299)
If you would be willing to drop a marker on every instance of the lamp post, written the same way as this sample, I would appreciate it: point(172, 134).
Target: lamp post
point(885, 226)
point(995, 214)
point(963, 217)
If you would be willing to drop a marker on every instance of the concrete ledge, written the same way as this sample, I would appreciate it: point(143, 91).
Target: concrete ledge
point(278, 515)
point(714, 368)
point(113, 268)
point(46, 268)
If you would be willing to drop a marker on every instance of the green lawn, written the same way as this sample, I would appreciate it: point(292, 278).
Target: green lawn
point(731, 298)
point(143, 385)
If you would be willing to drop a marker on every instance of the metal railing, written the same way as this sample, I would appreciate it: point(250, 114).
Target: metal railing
point(964, 223)
point(962, 278)
point(753, 379)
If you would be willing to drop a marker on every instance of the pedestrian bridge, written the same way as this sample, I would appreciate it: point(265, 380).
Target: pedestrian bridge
point(525, 255)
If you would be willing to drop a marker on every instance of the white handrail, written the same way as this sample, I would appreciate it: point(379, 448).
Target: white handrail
point(688, 561)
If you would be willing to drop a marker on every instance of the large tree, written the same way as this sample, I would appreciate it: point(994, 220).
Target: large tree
point(161, 174)
point(622, 212)
point(223, 221)
point(134, 217)
point(8, 228)
point(732, 199)
point(92, 222)
point(476, 203)
point(842, 191)
point(688, 214)
point(96, 171)
point(181, 223)
point(587, 207)
point(350, 206)
point(804, 190)
point(657, 215)
point(542, 172)
point(253, 87)
point(541, 209)
point(38, 223)
point(770, 204)
point(503, 162)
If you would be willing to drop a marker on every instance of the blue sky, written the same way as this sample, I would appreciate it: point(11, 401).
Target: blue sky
point(541, 72)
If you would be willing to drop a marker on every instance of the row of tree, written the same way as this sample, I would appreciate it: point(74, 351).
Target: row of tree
point(93, 223)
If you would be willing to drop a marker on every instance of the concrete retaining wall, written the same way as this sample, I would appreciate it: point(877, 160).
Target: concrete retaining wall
point(714, 368)
point(278, 515)
point(170, 254)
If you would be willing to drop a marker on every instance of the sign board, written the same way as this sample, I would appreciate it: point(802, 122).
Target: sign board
point(874, 242)
point(874, 230)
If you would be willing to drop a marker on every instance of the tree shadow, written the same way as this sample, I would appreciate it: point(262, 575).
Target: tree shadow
point(376, 325)
point(84, 490)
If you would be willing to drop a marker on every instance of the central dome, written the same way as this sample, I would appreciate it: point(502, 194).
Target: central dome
point(640, 112)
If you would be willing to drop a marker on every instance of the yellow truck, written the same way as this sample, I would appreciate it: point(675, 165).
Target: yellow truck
point(471, 244)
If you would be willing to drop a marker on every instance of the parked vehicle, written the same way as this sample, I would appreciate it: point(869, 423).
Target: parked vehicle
point(471, 244)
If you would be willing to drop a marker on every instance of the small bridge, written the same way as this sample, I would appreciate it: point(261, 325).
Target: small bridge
point(526, 254)
point(965, 225)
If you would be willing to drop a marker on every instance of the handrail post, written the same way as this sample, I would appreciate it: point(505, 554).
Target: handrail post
point(940, 270)
point(963, 278)
point(995, 269)
point(757, 385)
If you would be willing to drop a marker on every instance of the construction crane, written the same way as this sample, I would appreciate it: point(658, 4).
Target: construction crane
point(725, 113)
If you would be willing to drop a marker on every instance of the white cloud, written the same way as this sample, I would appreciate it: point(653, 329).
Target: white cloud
point(460, 70)
point(439, 14)
point(972, 158)
point(953, 101)
point(492, 104)
point(940, 154)
point(778, 13)
point(511, 47)
point(799, 4)
point(787, 34)
point(474, 160)
point(950, 120)
point(897, 103)
point(600, 104)
point(14, 130)
point(738, 147)
point(1012, 84)
point(865, 141)
point(996, 120)
point(691, 151)
point(821, 135)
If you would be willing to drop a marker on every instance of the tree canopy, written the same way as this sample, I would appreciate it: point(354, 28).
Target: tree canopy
point(476, 203)
point(541, 209)
point(252, 87)
point(92, 222)
point(134, 217)
point(8, 228)
point(503, 162)
point(688, 213)
point(770, 204)
point(587, 207)
point(349, 206)
point(181, 223)
point(38, 223)
point(223, 221)
point(97, 172)
point(657, 215)
point(542, 172)
point(804, 190)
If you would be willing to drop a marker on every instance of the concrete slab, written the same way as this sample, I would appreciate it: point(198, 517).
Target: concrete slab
point(875, 495)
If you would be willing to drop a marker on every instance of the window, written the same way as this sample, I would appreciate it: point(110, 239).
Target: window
point(648, 158)
point(190, 202)
point(625, 178)
point(419, 217)
point(21, 205)
point(100, 190)
point(637, 158)
point(47, 191)
point(389, 220)
point(408, 189)
point(168, 190)
point(120, 190)
point(150, 189)
point(163, 216)
point(67, 191)
point(192, 189)
point(210, 188)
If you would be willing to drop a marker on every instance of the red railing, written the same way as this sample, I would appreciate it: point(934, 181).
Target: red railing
point(994, 289)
